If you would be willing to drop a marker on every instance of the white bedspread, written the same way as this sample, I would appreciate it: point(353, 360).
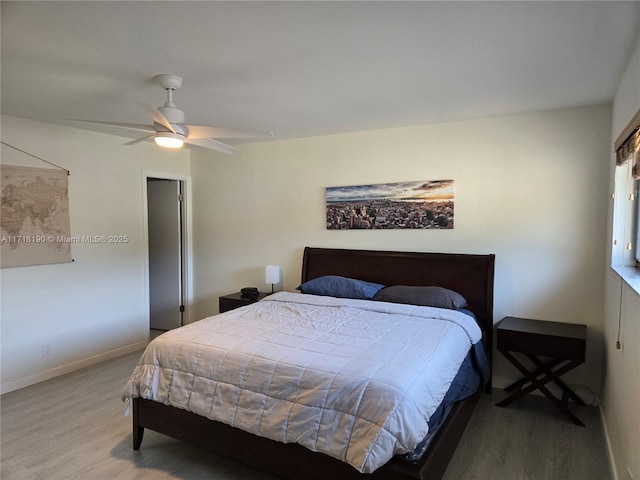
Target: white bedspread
point(354, 379)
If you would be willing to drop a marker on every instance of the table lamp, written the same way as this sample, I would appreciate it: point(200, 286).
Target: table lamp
point(272, 275)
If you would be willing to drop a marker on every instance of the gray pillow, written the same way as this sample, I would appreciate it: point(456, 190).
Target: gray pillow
point(424, 296)
point(342, 287)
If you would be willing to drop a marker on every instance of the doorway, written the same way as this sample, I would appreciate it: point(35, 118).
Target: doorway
point(166, 247)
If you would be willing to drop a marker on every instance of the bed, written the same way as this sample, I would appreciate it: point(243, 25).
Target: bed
point(469, 275)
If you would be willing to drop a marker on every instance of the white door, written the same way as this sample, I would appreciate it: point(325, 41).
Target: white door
point(165, 253)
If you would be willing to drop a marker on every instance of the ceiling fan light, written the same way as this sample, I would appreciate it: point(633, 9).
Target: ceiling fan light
point(168, 139)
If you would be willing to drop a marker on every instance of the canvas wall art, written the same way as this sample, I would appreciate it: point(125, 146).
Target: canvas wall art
point(34, 222)
point(404, 205)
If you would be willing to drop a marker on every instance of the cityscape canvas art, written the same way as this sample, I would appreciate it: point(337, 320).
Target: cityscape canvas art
point(404, 205)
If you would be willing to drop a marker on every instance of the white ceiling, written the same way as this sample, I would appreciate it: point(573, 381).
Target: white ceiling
point(304, 69)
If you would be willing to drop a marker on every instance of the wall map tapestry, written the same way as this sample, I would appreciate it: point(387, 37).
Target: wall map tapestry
point(419, 205)
point(34, 219)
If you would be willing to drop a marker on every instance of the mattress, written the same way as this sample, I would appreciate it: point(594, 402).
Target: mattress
point(357, 380)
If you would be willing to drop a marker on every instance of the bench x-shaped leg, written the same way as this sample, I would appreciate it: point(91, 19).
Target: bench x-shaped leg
point(540, 384)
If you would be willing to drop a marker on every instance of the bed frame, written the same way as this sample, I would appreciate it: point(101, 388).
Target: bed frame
point(470, 275)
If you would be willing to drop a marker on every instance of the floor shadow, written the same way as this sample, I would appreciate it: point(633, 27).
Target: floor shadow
point(180, 460)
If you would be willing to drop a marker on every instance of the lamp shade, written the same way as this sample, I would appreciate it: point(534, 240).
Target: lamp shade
point(272, 274)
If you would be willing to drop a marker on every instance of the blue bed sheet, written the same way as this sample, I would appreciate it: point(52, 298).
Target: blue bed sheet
point(473, 372)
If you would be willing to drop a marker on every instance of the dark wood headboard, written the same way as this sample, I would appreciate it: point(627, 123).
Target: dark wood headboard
point(468, 274)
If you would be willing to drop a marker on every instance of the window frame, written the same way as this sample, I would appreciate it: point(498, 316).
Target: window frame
point(636, 225)
point(625, 260)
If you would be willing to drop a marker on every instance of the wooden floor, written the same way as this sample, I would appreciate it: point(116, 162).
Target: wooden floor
point(49, 432)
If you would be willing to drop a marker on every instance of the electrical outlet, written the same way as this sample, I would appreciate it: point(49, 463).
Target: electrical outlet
point(46, 350)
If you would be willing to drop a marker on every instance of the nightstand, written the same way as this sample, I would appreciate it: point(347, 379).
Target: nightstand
point(235, 300)
point(564, 346)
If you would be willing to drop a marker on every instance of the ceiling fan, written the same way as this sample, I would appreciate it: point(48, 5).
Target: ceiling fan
point(169, 129)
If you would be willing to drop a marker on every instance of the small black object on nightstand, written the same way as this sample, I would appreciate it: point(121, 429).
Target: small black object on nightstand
point(236, 300)
point(565, 345)
point(250, 292)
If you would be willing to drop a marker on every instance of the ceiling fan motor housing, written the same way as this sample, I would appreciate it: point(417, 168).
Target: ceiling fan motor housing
point(172, 114)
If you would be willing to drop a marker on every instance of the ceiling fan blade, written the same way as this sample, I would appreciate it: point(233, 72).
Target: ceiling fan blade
point(159, 117)
point(138, 140)
point(129, 126)
point(200, 131)
point(211, 144)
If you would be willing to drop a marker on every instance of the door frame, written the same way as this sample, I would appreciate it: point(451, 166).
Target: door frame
point(187, 244)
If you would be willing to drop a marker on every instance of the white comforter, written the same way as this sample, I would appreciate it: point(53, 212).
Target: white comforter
point(354, 379)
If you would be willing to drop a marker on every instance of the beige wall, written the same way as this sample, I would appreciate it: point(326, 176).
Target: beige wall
point(530, 188)
point(621, 379)
point(93, 308)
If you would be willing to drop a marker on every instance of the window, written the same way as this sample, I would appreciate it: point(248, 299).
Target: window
point(637, 224)
point(626, 225)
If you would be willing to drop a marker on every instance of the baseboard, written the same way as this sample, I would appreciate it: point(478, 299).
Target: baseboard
point(70, 367)
point(607, 439)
